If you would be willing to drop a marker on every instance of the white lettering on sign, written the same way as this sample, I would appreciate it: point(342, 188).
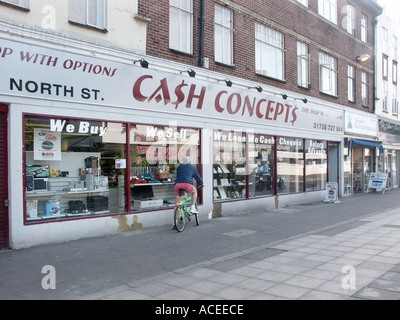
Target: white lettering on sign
point(291, 143)
point(230, 137)
point(169, 133)
point(261, 139)
point(316, 147)
point(84, 127)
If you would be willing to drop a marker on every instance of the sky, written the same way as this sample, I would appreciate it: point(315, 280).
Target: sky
point(393, 6)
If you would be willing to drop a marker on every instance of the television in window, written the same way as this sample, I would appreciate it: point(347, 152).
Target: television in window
point(40, 184)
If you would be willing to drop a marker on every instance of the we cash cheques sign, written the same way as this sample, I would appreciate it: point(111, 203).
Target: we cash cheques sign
point(38, 72)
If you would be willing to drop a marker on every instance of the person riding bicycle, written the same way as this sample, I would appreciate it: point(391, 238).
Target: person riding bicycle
point(185, 174)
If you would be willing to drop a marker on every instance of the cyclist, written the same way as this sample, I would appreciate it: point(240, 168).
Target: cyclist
point(185, 174)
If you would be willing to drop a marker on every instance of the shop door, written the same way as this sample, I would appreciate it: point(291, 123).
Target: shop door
point(333, 167)
point(4, 241)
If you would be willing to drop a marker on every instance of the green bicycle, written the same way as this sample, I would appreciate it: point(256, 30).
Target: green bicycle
point(182, 214)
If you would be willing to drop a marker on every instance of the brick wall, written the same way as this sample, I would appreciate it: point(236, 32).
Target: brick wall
point(288, 17)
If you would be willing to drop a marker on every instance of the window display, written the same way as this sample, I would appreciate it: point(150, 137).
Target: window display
point(290, 165)
point(316, 165)
point(230, 171)
point(155, 153)
point(79, 168)
point(248, 165)
point(261, 165)
point(70, 167)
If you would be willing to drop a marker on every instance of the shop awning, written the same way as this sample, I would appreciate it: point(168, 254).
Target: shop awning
point(372, 144)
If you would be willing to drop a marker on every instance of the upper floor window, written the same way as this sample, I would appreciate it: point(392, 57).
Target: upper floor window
point(303, 2)
point(394, 73)
point(350, 19)
point(223, 35)
point(385, 68)
point(385, 96)
point(394, 46)
point(365, 89)
point(303, 65)
point(181, 25)
point(364, 28)
point(395, 102)
point(269, 52)
point(18, 3)
point(328, 9)
point(351, 83)
point(88, 12)
point(385, 33)
point(327, 74)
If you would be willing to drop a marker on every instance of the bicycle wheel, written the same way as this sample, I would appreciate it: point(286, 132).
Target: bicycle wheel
point(197, 216)
point(179, 219)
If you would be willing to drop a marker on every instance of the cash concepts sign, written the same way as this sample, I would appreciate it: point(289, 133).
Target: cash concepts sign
point(38, 72)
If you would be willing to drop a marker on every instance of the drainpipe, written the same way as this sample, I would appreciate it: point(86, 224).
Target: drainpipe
point(202, 27)
point(375, 65)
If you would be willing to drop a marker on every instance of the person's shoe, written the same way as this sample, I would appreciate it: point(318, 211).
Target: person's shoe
point(193, 210)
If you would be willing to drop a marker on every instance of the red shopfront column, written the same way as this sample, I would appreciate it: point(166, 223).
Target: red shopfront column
point(4, 227)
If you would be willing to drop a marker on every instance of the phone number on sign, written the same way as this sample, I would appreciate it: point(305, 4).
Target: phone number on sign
point(328, 127)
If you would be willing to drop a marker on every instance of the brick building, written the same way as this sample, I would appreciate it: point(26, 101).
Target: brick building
point(272, 101)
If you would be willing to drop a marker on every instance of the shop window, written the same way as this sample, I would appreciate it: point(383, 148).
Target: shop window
point(316, 165)
point(261, 155)
point(230, 171)
point(155, 154)
point(290, 165)
point(72, 168)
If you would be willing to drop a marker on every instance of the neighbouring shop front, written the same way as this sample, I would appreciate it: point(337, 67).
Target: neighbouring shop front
point(363, 152)
point(389, 161)
point(102, 140)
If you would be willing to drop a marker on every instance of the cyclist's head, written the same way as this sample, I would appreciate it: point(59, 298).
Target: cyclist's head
point(185, 159)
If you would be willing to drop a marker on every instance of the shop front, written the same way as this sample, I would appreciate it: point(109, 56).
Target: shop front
point(362, 152)
point(102, 139)
point(389, 134)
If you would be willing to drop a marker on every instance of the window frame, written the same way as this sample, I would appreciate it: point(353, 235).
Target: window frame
point(183, 42)
point(224, 43)
point(364, 28)
point(303, 2)
point(395, 47)
point(328, 10)
point(385, 67)
point(328, 74)
point(85, 21)
point(266, 48)
point(395, 102)
point(385, 33)
point(365, 89)
point(303, 65)
point(19, 4)
point(351, 83)
point(350, 19)
point(385, 101)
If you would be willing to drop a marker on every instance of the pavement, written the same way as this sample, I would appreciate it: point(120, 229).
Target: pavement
point(318, 251)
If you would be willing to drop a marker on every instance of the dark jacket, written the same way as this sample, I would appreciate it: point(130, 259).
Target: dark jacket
point(186, 173)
